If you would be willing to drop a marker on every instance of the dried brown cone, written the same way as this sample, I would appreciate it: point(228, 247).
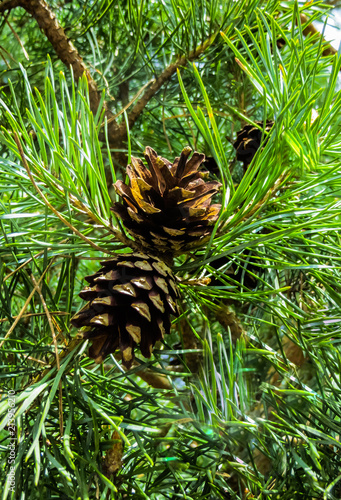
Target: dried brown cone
point(167, 208)
point(249, 140)
point(131, 299)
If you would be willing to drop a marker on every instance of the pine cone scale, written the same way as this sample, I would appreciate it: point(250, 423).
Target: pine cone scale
point(181, 164)
point(192, 165)
point(145, 283)
point(143, 309)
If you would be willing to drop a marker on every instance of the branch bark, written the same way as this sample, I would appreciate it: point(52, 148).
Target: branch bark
point(55, 33)
point(69, 55)
point(158, 83)
point(311, 30)
point(156, 380)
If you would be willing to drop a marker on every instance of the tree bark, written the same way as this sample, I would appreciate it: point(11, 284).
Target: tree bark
point(69, 55)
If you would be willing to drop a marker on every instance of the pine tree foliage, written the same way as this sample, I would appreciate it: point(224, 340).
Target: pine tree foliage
point(242, 399)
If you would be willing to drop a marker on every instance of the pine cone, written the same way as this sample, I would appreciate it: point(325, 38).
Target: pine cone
point(249, 140)
point(280, 42)
point(130, 299)
point(211, 165)
point(167, 208)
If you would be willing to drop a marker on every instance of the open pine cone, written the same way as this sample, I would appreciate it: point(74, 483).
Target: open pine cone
point(167, 208)
point(249, 140)
point(130, 299)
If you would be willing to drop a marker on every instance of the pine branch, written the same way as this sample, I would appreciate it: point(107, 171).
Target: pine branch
point(69, 55)
point(166, 74)
point(55, 33)
point(50, 206)
point(311, 30)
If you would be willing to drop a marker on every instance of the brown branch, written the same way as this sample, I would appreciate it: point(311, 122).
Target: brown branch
point(18, 39)
point(160, 80)
point(32, 315)
point(9, 5)
point(63, 47)
point(182, 61)
point(311, 30)
point(136, 96)
point(69, 55)
point(55, 33)
point(154, 379)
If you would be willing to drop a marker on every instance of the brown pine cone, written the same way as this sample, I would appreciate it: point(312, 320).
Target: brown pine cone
point(130, 299)
point(249, 140)
point(167, 209)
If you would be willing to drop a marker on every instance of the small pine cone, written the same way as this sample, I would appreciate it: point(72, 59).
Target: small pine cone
point(280, 42)
point(211, 165)
point(168, 208)
point(130, 299)
point(249, 140)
